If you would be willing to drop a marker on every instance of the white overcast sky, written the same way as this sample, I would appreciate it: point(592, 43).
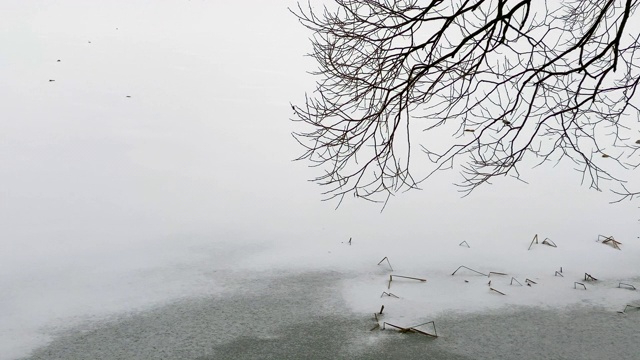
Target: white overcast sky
point(202, 146)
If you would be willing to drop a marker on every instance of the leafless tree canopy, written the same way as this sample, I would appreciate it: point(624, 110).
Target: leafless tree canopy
point(471, 85)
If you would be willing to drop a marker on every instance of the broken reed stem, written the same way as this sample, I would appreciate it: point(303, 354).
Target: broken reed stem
point(495, 273)
point(435, 333)
point(627, 285)
point(512, 279)
point(377, 325)
point(423, 332)
point(462, 266)
point(610, 239)
point(412, 328)
point(389, 294)
point(549, 242)
point(408, 277)
point(559, 273)
point(630, 306)
point(384, 324)
point(386, 258)
point(535, 239)
point(405, 277)
point(530, 281)
point(579, 283)
point(464, 242)
point(588, 277)
point(604, 237)
point(499, 292)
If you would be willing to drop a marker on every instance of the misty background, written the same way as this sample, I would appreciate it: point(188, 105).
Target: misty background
point(164, 141)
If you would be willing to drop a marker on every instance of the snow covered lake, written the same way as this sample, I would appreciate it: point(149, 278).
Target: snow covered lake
point(283, 302)
point(150, 210)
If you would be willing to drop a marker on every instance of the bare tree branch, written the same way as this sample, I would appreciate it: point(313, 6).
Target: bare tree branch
point(489, 82)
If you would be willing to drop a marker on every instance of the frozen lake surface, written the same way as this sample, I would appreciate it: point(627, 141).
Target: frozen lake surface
point(150, 210)
point(303, 315)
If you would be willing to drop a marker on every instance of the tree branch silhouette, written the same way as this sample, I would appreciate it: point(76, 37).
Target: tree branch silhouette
point(491, 82)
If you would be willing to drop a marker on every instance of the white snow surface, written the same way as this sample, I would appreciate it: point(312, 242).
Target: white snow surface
point(436, 260)
point(45, 300)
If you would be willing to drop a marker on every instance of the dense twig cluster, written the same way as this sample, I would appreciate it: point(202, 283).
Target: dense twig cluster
point(480, 85)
